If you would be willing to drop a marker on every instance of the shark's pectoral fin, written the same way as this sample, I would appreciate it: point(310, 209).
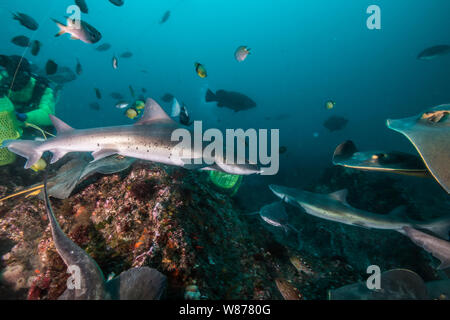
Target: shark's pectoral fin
point(340, 195)
point(103, 153)
point(57, 154)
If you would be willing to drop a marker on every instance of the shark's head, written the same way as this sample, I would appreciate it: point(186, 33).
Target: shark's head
point(286, 194)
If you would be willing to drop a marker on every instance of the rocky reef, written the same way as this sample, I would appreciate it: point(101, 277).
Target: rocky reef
point(174, 220)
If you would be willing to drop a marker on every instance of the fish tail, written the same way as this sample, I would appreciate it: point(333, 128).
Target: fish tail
point(25, 148)
point(210, 96)
point(62, 28)
point(440, 227)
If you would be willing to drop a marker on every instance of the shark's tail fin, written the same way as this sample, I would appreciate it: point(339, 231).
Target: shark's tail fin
point(210, 96)
point(440, 227)
point(26, 149)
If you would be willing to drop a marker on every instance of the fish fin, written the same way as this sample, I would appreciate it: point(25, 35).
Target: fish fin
point(103, 153)
point(250, 214)
point(153, 111)
point(440, 227)
point(62, 28)
point(176, 109)
point(429, 244)
point(26, 149)
point(210, 96)
point(340, 195)
point(344, 151)
point(57, 154)
point(60, 125)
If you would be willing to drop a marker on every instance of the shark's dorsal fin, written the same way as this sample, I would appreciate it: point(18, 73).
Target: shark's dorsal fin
point(340, 195)
point(152, 112)
point(60, 125)
point(399, 211)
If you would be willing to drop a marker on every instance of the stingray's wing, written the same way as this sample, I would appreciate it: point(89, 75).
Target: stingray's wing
point(430, 135)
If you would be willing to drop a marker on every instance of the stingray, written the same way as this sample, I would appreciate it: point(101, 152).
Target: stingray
point(89, 283)
point(429, 132)
point(347, 155)
point(396, 284)
point(75, 171)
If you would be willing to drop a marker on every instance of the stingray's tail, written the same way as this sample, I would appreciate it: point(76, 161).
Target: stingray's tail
point(210, 96)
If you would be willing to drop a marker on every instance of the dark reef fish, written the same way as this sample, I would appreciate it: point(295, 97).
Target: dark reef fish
point(429, 132)
point(287, 290)
point(35, 47)
point(51, 67)
point(229, 99)
point(347, 155)
point(335, 123)
point(82, 5)
point(26, 21)
point(165, 17)
point(21, 41)
point(84, 31)
point(117, 3)
point(434, 52)
point(103, 47)
point(88, 280)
